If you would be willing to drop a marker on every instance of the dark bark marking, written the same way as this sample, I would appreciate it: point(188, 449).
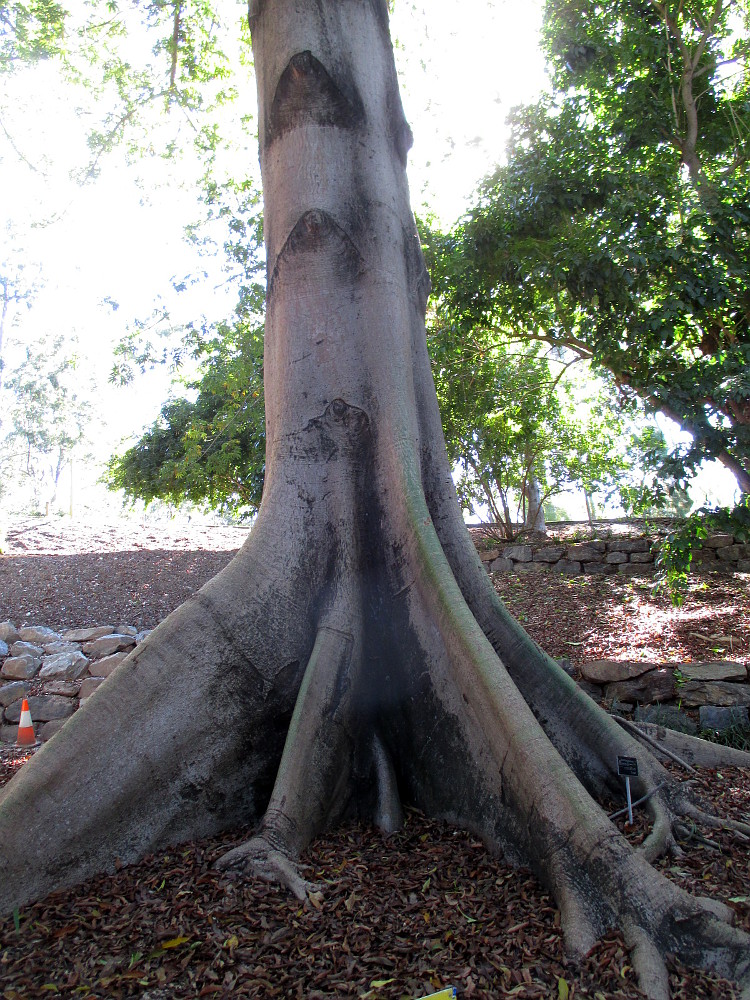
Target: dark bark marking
point(317, 234)
point(307, 95)
point(341, 432)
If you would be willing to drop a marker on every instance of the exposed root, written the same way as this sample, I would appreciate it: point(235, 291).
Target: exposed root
point(648, 964)
point(740, 830)
point(257, 857)
point(654, 744)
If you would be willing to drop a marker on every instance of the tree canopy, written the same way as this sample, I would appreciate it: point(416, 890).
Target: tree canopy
point(618, 228)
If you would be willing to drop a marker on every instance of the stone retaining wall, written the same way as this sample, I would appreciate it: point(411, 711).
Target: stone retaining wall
point(606, 556)
point(57, 671)
point(684, 696)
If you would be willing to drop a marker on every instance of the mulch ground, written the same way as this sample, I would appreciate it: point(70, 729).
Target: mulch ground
point(399, 917)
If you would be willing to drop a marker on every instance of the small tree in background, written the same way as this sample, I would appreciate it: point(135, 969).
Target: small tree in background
point(47, 422)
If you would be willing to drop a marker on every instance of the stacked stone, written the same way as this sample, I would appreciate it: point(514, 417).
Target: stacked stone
point(55, 671)
point(664, 693)
point(604, 557)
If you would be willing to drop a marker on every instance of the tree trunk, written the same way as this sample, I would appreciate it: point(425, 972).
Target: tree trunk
point(590, 508)
point(534, 519)
point(308, 680)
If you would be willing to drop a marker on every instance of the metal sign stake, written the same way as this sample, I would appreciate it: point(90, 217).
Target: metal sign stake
point(630, 800)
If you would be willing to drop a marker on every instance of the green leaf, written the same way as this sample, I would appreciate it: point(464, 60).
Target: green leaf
point(562, 989)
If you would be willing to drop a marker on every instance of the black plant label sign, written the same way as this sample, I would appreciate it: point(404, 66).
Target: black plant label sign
point(627, 767)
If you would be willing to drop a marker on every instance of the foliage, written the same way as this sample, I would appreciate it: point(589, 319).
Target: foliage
point(209, 450)
point(30, 31)
point(208, 446)
point(675, 557)
point(618, 229)
point(737, 737)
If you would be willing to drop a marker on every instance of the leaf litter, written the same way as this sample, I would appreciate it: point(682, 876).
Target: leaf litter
point(399, 917)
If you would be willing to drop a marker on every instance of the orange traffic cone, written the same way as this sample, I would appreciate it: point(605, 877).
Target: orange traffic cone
point(25, 727)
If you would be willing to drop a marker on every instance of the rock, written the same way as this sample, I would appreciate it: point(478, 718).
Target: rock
point(8, 734)
point(721, 670)
point(666, 715)
point(616, 557)
point(105, 666)
point(743, 566)
point(107, 645)
point(629, 545)
point(26, 649)
point(567, 666)
point(38, 633)
point(636, 569)
point(592, 690)
point(126, 630)
point(611, 671)
point(568, 566)
point(718, 541)
point(705, 555)
point(52, 648)
point(43, 708)
point(65, 666)
point(549, 553)
point(587, 551)
point(599, 569)
point(12, 692)
point(499, 565)
point(723, 693)
point(89, 685)
point(487, 555)
point(8, 633)
point(532, 567)
point(3, 648)
point(87, 634)
point(21, 668)
point(719, 719)
point(656, 685)
point(642, 557)
point(519, 553)
point(49, 729)
point(728, 553)
point(68, 689)
point(147, 631)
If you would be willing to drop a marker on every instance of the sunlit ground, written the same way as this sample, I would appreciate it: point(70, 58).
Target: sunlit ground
point(587, 618)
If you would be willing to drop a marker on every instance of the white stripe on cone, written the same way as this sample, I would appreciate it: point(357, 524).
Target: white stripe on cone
point(25, 721)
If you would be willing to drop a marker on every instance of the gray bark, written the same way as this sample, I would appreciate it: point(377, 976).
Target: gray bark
point(307, 681)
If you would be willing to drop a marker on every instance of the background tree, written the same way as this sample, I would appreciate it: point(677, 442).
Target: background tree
point(515, 427)
point(47, 420)
point(618, 228)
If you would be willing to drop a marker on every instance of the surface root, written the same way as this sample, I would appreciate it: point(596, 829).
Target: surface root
point(259, 858)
